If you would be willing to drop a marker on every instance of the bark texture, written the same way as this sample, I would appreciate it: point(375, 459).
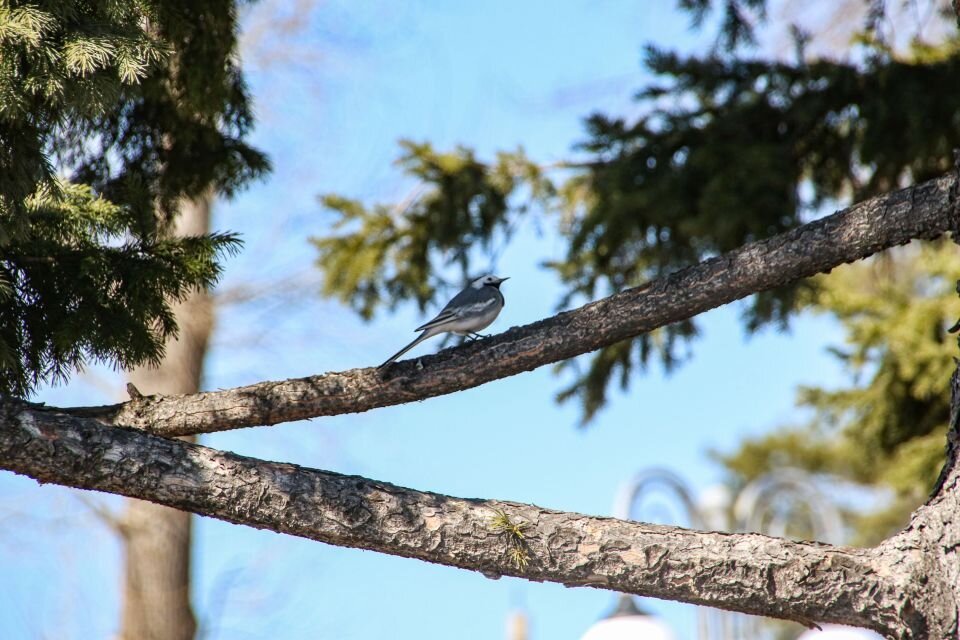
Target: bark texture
point(157, 539)
point(926, 211)
point(807, 582)
point(924, 559)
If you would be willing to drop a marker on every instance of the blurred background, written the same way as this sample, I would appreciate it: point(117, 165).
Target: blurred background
point(576, 179)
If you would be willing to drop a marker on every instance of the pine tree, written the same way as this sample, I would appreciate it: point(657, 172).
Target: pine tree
point(110, 112)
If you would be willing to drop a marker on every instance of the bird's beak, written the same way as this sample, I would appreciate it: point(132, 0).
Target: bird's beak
point(504, 279)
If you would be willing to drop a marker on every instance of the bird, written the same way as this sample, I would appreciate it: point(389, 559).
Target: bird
point(468, 312)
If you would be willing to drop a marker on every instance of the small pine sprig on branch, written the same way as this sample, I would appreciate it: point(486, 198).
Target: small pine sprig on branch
point(518, 552)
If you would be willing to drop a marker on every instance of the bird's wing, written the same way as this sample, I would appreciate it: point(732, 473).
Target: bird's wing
point(468, 302)
point(450, 310)
point(444, 316)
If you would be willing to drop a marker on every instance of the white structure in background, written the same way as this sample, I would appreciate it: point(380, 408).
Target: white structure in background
point(766, 505)
point(628, 622)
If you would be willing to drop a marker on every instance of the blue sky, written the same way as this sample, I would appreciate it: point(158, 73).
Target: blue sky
point(491, 75)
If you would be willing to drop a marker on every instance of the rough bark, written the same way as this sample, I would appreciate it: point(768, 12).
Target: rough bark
point(924, 559)
point(927, 210)
point(807, 582)
point(157, 539)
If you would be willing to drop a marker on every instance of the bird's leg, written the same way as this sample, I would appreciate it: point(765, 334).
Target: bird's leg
point(477, 336)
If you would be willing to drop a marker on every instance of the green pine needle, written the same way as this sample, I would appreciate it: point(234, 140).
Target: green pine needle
point(518, 551)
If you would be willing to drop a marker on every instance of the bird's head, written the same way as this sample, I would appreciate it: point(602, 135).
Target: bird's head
point(488, 280)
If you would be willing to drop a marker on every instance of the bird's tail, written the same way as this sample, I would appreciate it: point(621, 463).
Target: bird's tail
point(423, 336)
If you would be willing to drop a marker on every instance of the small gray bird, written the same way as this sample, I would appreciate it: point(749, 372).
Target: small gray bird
point(471, 310)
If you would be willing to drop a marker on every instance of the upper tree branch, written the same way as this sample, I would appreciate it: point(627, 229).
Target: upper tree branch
point(743, 572)
point(922, 211)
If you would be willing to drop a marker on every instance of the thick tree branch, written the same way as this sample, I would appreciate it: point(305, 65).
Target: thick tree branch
point(924, 558)
point(807, 582)
point(927, 210)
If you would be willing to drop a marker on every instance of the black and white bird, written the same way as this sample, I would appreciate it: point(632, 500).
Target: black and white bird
point(468, 312)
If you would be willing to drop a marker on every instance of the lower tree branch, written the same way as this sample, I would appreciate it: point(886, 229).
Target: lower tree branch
point(807, 582)
point(923, 211)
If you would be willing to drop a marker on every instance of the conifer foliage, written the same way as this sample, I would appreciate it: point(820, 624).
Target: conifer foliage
point(729, 148)
point(110, 113)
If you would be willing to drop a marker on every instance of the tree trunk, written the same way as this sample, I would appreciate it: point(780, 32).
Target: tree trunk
point(157, 539)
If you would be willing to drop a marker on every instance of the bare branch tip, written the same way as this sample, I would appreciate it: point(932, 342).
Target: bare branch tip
point(808, 623)
point(133, 392)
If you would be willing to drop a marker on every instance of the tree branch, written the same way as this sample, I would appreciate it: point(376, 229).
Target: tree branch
point(741, 572)
point(924, 558)
point(922, 211)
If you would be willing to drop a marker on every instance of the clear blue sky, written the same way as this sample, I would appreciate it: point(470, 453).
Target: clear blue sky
point(491, 75)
